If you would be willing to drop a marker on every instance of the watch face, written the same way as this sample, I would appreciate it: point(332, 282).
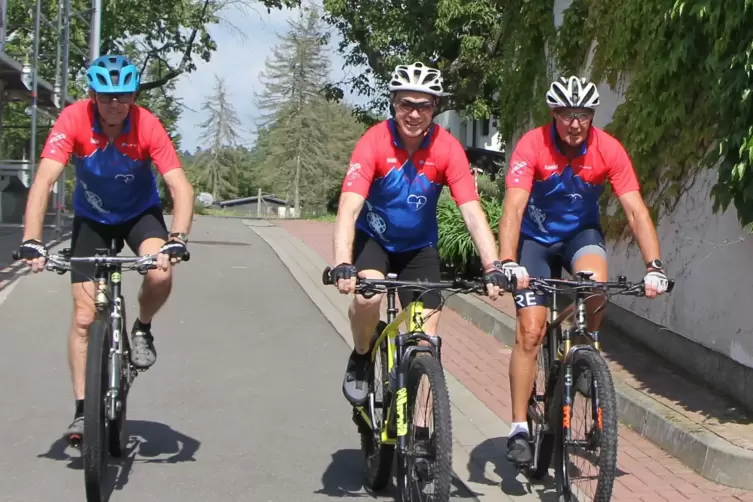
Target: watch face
point(657, 264)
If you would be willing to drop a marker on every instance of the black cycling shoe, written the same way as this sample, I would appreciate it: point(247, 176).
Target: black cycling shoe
point(355, 383)
point(143, 353)
point(519, 449)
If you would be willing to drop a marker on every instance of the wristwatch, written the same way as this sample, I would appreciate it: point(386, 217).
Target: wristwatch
point(656, 264)
point(180, 235)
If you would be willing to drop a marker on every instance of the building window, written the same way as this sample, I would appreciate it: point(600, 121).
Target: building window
point(485, 127)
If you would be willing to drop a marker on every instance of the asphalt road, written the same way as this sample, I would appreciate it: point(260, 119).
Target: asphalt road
point(243, 404)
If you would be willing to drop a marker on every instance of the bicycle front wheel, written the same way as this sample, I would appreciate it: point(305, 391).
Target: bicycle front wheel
point(425, 471)
point(378, 455)
point(592, 420)
point(94, 444)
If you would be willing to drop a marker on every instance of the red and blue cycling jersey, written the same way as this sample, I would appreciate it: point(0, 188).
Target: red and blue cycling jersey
point(401, 192)
point(565, 193)
point(114, 180)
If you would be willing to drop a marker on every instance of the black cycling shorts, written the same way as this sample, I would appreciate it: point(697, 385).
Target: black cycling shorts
point(544, 261)
point(89, 235)
point(421, 264)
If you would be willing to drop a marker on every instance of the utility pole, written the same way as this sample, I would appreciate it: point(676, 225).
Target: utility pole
point(96, 28)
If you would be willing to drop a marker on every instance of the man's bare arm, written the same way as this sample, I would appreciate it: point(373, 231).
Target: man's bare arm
point(36, 205)
point(345, 226)
point(513, 207)
point(481, 233)
point(641, 224)
point(181, 192)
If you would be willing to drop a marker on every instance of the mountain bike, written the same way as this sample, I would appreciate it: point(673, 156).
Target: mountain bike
point(109, 371)
point(398, 365)
point(568, 368)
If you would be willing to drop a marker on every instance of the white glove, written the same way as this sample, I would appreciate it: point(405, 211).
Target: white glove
point(656, 280)
point(513, 270)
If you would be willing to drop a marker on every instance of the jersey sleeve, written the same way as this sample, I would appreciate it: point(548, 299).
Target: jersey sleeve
point(620, 172)
point(61, 140)
point(522, 168)
point(458, 175)
point(361, 168)
point(161, 149)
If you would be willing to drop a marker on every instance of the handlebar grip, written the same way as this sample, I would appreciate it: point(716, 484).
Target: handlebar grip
point(16, 255)
point(670, 285)
point(326, 278)
point(187, 256)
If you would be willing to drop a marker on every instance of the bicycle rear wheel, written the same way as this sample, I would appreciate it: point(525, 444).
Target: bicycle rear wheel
point(378, 454)
point(598, 446)
point(94, 444)
point(428, 462)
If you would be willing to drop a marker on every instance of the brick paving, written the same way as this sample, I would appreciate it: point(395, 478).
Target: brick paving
point(480, 362)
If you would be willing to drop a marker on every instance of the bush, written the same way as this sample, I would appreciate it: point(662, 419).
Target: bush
point(456, 248)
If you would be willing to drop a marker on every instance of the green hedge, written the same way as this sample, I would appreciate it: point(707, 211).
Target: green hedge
point(456, 249)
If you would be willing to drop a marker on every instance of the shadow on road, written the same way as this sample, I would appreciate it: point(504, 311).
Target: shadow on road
point(492, 451)
point(148, 443)
point(344, 478)
point(344, 475)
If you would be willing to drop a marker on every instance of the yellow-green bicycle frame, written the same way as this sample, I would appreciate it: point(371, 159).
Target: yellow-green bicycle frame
point(412, 317)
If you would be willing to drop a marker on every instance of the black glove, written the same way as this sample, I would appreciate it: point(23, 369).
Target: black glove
point(496, 276)
point(344, 271)
point(174, 249)
point(31, 249)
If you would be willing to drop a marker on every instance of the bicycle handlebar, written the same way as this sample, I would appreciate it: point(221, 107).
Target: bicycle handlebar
point(363, 285)
point(61, 263)
point(584, 283)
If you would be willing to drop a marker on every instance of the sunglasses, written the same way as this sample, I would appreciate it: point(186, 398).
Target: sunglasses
point(567, 117)
point(407, 106)
point(122, 98)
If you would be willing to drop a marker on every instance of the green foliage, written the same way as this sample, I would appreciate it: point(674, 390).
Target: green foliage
point(456, 248)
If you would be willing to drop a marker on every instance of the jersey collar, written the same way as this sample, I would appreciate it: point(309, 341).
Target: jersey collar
point(583, 147)
point(392, 125)
point(97, 126)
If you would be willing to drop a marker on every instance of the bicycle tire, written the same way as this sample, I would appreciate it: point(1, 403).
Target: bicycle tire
point(540, 467)
point(378, 456)
point(94, 443)
point(590, 360)
point(430, 367)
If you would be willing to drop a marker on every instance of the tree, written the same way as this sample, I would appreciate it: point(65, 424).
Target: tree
point(294, 78)
point(217, 168)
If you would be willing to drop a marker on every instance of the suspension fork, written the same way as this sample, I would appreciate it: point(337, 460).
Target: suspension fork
point(116, 344)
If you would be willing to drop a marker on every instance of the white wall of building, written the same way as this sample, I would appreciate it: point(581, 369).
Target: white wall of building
point(709, 255)
point(462, 128)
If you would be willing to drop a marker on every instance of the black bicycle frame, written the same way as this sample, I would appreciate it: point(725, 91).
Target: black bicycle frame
point(563, 364)
point(108, 301)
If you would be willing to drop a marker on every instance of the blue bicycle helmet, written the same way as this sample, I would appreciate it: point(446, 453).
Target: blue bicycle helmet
point(102, 70)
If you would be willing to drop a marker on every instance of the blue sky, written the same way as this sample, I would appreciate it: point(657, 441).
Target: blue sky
point(239, 60)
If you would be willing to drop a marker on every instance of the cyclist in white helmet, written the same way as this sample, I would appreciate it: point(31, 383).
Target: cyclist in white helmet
point(551, 219)
point(386, 219)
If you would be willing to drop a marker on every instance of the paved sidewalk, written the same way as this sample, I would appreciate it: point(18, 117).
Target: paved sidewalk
point(480, 362)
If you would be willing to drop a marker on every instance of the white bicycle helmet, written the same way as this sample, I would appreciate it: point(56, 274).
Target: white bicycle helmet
point(417, 77)
point(572, 92)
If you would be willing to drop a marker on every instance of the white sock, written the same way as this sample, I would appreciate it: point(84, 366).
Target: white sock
point(518, 427)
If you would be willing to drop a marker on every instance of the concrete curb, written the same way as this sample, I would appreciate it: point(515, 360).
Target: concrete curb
point(713, 457)
point(475, 427)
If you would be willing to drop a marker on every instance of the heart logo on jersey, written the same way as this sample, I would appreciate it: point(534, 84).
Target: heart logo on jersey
point(126, 178)
point(417, 200)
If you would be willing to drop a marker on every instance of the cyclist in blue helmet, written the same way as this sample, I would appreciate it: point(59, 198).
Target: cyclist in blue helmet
point(112, 143)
